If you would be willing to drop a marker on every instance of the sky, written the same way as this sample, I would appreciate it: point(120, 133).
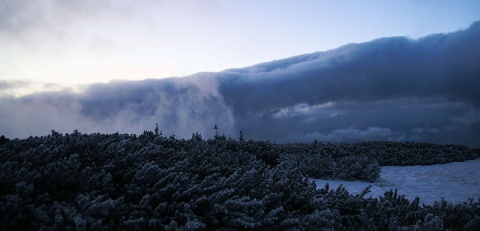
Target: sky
point(298, 71)
point(53, 44)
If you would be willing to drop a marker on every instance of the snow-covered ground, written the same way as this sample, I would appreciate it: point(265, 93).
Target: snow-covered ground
point(456, 182)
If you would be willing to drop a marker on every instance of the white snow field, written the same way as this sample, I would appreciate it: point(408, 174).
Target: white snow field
point(456, 182)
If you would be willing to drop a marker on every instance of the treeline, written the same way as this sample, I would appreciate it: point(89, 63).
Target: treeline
point(386, 153)
point(356, 161)
point(150, 182)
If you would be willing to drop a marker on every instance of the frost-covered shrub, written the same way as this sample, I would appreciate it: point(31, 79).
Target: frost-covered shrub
point(150, 182)
point(148, 174)
point(324, 166)
point(322, 220)
point(317, 166)
point(433, 223)
point(357, 168)
point(312, 165)
point(473, 224)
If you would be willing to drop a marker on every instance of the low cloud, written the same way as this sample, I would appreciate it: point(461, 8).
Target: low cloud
point(180, 106)
point(391, 83)
point(437, 65)
point(387, 89)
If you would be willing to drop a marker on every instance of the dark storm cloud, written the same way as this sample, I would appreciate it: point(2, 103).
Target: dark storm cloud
point(395, 89)
point(437, 65)
point(390, 88)
point(413, 119)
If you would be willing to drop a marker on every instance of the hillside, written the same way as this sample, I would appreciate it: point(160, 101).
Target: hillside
point(152, 182)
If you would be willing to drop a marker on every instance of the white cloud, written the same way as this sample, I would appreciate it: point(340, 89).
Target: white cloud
point(303, 109)
point(354, 135)
point(179, 106)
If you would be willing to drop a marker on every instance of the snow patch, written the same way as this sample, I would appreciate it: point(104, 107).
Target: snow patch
point(455, 182)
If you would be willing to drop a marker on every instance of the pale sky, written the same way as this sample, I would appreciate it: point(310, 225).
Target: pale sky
point(55, 43)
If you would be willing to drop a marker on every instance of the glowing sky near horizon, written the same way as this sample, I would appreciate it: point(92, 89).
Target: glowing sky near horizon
point(62, 43)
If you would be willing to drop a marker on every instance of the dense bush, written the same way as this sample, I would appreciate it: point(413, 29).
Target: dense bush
point(358, 161)
point(357, 168)
point(384, 152)
point(410, 153)
point(149, 182)
point(324, 166)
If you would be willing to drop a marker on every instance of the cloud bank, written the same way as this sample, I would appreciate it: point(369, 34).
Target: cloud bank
point(387, 89)
point(180, 106)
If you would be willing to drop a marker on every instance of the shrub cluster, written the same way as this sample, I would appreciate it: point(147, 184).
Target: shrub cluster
point(149, 182)
point(389, 153)
point(411, 153)
point(357, 161)
point(350, 168)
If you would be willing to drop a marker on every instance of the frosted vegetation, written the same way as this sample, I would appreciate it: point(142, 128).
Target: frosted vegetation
point(153, 182)
point(455, 182)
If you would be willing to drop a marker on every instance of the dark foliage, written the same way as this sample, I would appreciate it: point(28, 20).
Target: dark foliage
point(357, 161)
point(150, 182)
